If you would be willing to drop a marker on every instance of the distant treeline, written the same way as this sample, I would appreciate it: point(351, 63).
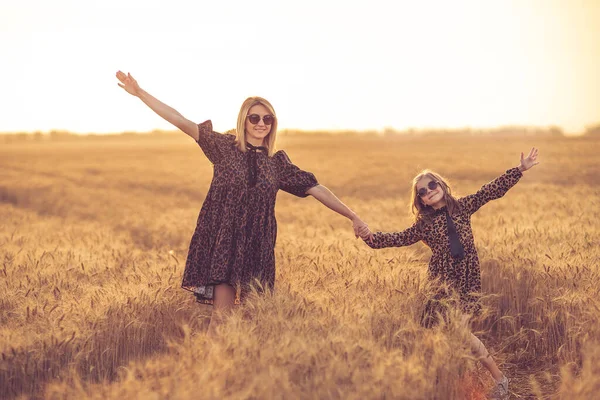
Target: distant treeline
point(60, 135)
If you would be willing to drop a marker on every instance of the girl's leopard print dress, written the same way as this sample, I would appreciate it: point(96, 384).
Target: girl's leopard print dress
point(462, 275)
point(234, 240)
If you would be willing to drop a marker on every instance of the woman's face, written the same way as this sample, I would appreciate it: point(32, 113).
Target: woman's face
point(430, 192)
point(255, 133)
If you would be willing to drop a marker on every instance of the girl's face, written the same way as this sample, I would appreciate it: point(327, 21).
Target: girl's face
point(256, 133)
point(430, 192)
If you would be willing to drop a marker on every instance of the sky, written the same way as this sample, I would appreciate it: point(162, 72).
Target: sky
point(323, 64)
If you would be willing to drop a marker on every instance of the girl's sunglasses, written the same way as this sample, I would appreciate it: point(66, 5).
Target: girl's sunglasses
point(432, 185)
point(255, 119)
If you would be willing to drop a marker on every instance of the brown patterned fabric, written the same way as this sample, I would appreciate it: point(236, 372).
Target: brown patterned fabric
point(235, 235)
point(462, 275)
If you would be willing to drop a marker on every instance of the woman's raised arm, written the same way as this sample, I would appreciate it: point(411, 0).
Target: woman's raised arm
point(330, 200)
point(130, 85)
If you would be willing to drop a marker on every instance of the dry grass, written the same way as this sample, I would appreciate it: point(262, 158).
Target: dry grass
point(94, 234)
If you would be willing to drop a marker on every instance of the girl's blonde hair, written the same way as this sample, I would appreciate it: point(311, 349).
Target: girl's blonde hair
point(422, 212)
point(241, 124)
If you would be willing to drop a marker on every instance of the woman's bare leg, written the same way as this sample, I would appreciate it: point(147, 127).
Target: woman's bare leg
point(223, 301)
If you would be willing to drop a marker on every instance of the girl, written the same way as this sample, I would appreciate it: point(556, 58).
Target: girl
point(443, 223)
point(234, 241)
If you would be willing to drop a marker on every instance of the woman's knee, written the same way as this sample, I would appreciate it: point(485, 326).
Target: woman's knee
point(224, 296)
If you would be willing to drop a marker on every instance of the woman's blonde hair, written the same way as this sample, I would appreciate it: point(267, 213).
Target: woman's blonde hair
point(422, 212)
point(250, 102)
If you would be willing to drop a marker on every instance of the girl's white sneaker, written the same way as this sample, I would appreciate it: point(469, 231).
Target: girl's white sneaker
point(500, 391)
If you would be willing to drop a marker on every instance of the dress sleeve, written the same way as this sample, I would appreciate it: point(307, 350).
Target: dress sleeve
point(491, 191)
point(291, 178)
point(214, 145)
point(396, 239)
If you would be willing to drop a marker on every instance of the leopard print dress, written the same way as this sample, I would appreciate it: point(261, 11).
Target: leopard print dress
point(462, 275)
point(235, 234)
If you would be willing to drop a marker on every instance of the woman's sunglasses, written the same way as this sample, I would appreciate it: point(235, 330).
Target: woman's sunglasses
point(255, 119)
point(432, 185)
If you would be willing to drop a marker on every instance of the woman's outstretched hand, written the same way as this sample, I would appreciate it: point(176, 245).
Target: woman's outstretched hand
point(530, 160)
point(128, 83)
point(361, 229)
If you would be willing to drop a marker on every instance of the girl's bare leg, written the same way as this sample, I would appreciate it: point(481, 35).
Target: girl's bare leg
point(485, 358)
point(481, 353)
point(223, 301)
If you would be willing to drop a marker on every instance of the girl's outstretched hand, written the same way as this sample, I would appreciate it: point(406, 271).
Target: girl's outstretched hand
point(128, 83)
point(530, 160)
point(361, 229)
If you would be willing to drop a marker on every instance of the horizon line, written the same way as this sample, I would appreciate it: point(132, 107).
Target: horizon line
point(384, 130)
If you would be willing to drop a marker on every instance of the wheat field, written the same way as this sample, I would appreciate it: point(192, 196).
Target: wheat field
point(94, 235)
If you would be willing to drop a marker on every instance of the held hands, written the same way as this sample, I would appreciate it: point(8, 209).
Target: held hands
point(529, 161)
point(361, 229)
point(128, 83)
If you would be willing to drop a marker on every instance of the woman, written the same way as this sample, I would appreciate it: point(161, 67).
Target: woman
point(233, 245)
point(443, 223)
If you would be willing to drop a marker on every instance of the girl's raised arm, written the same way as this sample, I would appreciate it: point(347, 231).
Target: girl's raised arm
point(499, 186)
point(130, 85)
point(406, 237)
point(530, 161)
